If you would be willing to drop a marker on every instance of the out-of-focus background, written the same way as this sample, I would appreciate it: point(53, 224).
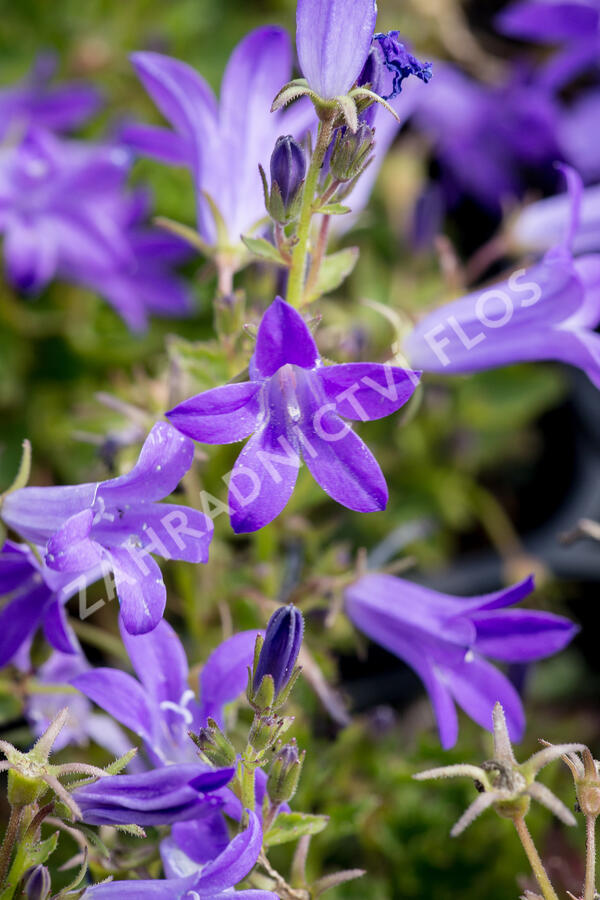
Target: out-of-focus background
point(490, 468)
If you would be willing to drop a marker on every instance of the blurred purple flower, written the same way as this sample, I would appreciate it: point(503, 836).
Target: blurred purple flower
point(186, 879)
point(293, 406)
point(35, 101)
point(542, 225)
point(35, 597)
point(446, 640)
point(158, 797)
point(114, 526)
point(546, 312)
point(222, 143)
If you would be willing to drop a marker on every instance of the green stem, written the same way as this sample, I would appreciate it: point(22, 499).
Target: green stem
point(318, 257)
point(534, 859)
point(589, 891)
point(295, 289)
point(247, 777)
point(10, 836)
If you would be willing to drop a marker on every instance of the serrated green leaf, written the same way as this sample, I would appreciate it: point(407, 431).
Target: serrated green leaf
point(334, 270)
point(334, 209)
point(263, 249)
point(39, 852)
point(291, 826)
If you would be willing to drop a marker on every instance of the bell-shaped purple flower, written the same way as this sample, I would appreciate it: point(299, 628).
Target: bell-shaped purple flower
point(334, 38)
point(158, 797)
point(115, 526)
point(280, 649)
point(294, 405)
point(288, 168)
point(446, 640)
point(186, 879)
point(546, 312)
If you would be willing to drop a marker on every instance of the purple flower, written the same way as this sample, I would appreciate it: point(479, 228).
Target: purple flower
point(542, 225)
point(293, 405)
point(83, 724)
point(159, 797)
point(36, 101)
point(159, 705)
point(222, 143)
point(186, 880)
point(115, 526)
point(338, 47)
point(280, 649)
point(547, 312)
point(446, 640)
point(288, 168)
point(35, 598)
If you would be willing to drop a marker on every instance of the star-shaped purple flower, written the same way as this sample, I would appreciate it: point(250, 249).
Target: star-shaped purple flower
point(446, 640)
point(115, 526)
point(293, 406)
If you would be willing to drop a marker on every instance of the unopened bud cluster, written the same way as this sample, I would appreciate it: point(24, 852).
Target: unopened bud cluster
point(284, 775)
point(351, 153)
point(215, 745)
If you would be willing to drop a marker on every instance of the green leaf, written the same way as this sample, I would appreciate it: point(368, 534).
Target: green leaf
point(265, 250)
point(39, 852)
point(334, 209)
point(334, 271)
point(291, 826)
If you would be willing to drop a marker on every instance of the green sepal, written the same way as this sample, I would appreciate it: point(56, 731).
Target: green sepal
point(133, 830)
point(333, 209)
point(21, 478)
point(291, 826)
point(262, 248)
point(76, 882)
point(334, 271)
point(331, 881)
point(364, 93)
point(292, 91)
point(348, 110)
point(117, 766)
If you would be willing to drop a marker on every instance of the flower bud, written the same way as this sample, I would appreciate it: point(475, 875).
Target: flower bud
point(36, 883)
point(265, 731)
point(285, 774)
point(277, 655)
point(288, 170)
point(351, 152)
point(214, 744)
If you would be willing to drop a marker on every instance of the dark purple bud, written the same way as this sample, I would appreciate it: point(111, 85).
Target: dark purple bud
point(288, 169)
point(36, 883)
point(280, 649)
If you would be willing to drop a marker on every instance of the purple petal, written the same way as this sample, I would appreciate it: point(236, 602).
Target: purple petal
point(159, 661)
point(263, 478)
point(159, 143)
point(283, 338)
point(140, 588)
point(164, 459)
point(367, 391)
point(30, 254)
point(37, 513)
point(507, 323)
point(201, 840)
point(236, 860)
point(16, 567)
point(333, 39)
point(165, 529)
point(548, 22)
point(19, 619)
point(225, 674)
point(477, 686)
point(175, 889)
point(70, 549)
point(496, 600)
point(120, 695)
point(341, 463)
point(521, 635)
point(57, 630)
point(222, 415)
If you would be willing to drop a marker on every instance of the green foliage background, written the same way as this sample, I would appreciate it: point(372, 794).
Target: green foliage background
point(442, 461)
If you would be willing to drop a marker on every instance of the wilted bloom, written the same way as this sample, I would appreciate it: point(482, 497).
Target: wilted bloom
point(222, 143)
point(288, 169)
point(504, 783)
point(158, 797)
point(446, 640)
point(160, 707)
point(115, 526)
point(546, 312)
point(338, 49)
point(587, 780)
point(35, 100)
point(187, 879)
point(279, 650)
point(293, 405)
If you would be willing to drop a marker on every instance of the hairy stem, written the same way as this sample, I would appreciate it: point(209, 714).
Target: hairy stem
point(10, 837)
point(534, 859)
point(295, 289)
point(247, 779)
point(589, 891)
